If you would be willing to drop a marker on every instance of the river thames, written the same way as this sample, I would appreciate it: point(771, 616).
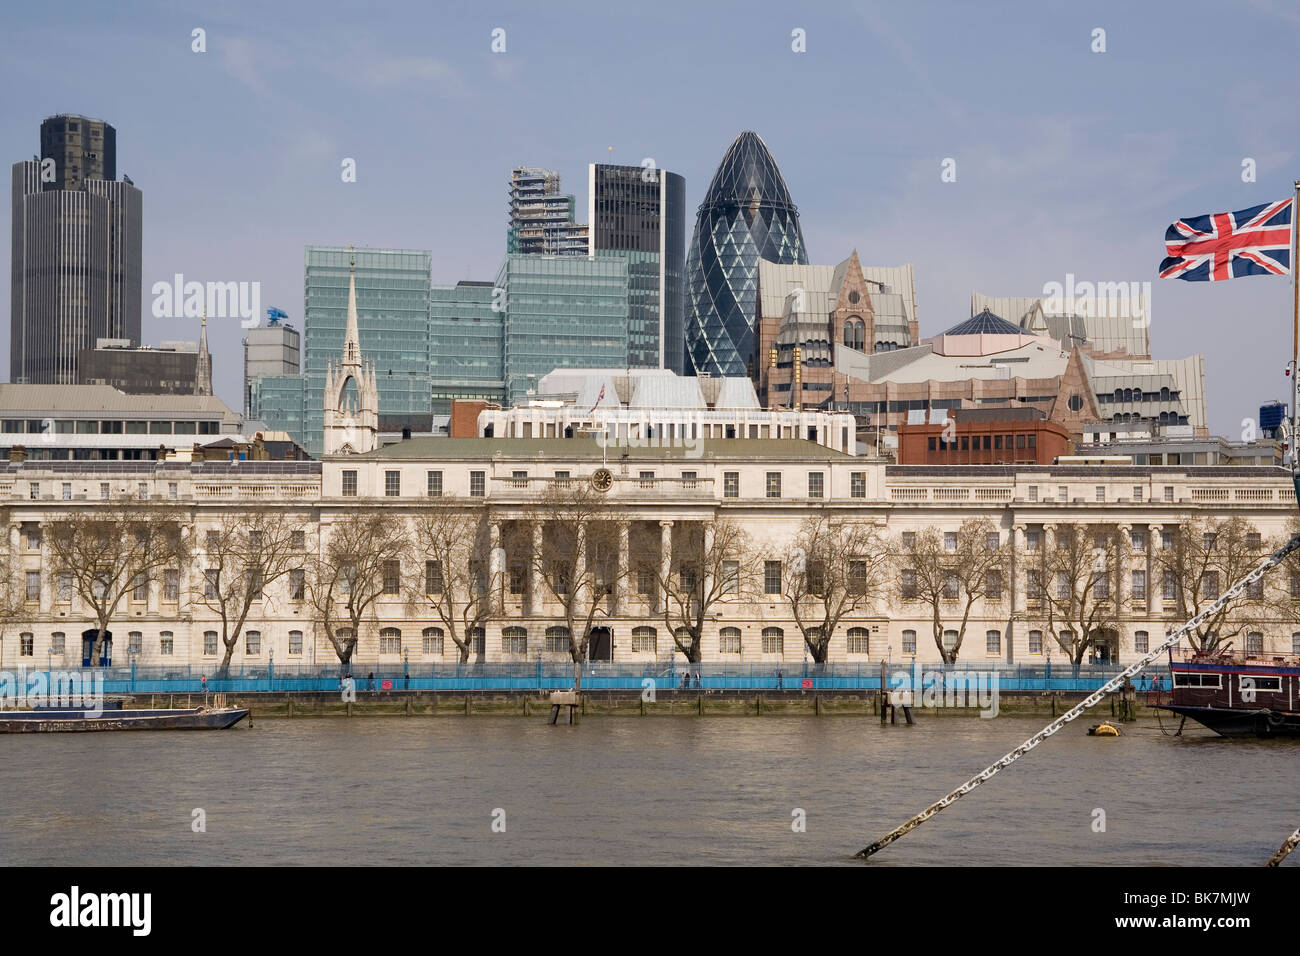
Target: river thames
point(624, 790)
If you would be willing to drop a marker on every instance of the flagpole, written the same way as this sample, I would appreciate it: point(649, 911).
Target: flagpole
point(1295, 343)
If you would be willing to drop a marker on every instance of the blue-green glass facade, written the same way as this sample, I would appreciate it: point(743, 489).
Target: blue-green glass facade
point(392, 320)
point(466, 344)
point(562, 312)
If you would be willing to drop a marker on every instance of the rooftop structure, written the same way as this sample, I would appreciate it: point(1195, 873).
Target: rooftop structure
point(541, 217)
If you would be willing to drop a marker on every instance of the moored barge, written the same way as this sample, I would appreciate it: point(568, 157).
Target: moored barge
point(1237, 696)
point(111, 715)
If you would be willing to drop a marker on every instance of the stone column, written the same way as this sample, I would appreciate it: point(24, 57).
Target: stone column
point(1155, 580)
point(1049, 537)
point(706, 563)
point(621, 582)
point(534, 570)
point(1018, 589)
point(496, 566)
point(47, 582)
point(665, 557)
point(1125, 552)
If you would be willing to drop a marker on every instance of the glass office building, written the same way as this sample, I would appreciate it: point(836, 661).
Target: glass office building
point(746, 215)
point(466, 347)
point(393, 321)
point(562, 312)
point(639, 214)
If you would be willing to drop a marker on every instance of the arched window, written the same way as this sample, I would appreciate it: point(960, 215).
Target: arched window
point(773, 640)
point(1119, 394)
point(729, 640)
point(431, 641)
point(645, 640)
point(1164, 394)
point(557, 639)
point(514, 640)
point(477, 641)
point(859, 640)
point(993, 642)
point(390, 641)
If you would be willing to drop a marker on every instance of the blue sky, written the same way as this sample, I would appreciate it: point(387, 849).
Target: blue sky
point(1068, 161)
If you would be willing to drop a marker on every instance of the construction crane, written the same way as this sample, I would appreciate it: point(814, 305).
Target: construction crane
point(274, 315)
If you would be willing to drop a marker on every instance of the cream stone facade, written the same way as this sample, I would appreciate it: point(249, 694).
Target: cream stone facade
point(653, 494)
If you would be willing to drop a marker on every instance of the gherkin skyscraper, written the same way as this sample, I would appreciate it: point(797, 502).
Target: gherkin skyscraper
point(746, 216)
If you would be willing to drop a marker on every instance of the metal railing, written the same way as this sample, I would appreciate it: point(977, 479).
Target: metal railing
point(558, 674)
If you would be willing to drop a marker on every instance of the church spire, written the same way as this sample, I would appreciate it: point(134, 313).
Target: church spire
point(352, 337)
point(203, 369)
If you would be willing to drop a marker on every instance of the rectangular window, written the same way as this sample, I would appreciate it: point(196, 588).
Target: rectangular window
point(1137, 492)
point(518, 578)
point(993, 642)
point(140, 588)
point(1169, 492)
point(1141, 642)
point(774, 484)
point(950, 540)
point(33, 534)
point(1033, 492)
point(1062, 493)
point(33, 585)
point(299, 541)
point(645, 581)
point(210, 643)
point(858, 484)
point(349, 484)
point(392, 577)
point(295, 643)
point(815, 484)
point(907, 583)
point(1033, 540)
point(173, 490)
point(1255, 644)
point(34, 490)
point(210, 581)
point(433, 484)
point(909, 540)
point(252, 643)
point(1253, 540)
point(103, 490)
point(67, 491)
point(1166, 541)
point(1035, 642)
point(478, 484)
point(771, 577)
point(392, 484)
point(731, 484)
point(297, 584)
point(993, 585)
point(1255, 590)
point(909, 642)
point(1100, 493)
point(992, 540)
point(65, 587)
point(730, 577)
point(134, 643)
point(1139, 588)
point(1169, 586)
point(166, 644)
point(1139, 540)
point(432, 577)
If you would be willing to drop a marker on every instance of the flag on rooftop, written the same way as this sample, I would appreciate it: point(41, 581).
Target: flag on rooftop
point(1228, 245)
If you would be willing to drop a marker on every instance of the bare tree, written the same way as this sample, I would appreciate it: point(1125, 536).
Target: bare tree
point(578, 560)
point(12, 593)
point(455, 578)
point(950, 572)
point(359, 564)
point(1205, 557)
point(106, 553)
point(242, 558)
point(839, 567)
point(1077, 576)
point(717, 564)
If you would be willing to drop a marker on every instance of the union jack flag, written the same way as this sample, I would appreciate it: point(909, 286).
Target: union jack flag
point(1228, 245)
point(599, 398)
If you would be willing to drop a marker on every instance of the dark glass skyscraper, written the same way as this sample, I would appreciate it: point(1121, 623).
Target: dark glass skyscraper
point(639, 214)
point(746, 216)
point(76, 252)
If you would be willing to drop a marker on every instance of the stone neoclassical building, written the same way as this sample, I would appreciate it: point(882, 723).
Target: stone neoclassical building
point(654, 496)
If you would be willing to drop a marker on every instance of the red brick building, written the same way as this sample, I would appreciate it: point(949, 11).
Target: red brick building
point(975, 436)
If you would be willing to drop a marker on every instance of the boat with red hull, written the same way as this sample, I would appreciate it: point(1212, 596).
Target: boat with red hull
point(1237, 696)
